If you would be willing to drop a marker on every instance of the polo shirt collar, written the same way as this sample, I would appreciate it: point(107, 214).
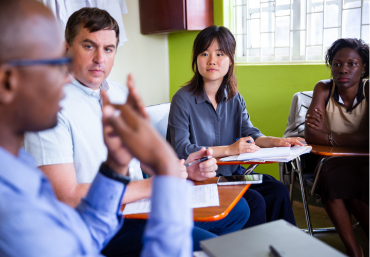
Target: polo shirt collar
point(21, 172)
point(204, 97)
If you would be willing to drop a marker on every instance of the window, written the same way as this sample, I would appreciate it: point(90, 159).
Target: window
point(281, 31)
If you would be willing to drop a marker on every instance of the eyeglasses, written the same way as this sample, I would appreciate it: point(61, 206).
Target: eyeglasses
point(56, 61)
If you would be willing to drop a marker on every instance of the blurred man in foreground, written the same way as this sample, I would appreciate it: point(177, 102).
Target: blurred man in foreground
point(32, 73)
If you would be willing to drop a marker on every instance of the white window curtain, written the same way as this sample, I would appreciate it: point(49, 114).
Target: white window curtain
point(63, 9)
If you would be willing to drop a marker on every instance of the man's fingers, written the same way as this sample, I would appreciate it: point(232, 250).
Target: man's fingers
point(123, 124)
point(209, 174)
point(209, 163)
point(184, 175)
point(182, 161)
point(197, 155)
point(108, 112)
point(209, 168)
point(134, 99)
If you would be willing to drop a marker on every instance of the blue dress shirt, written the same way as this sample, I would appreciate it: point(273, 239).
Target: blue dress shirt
point(35, 223)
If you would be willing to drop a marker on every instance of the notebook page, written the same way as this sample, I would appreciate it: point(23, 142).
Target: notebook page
point(202, 196)
point(294, 152)
point(265, 153)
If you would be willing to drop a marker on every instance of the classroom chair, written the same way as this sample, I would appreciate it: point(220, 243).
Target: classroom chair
point(159, 117)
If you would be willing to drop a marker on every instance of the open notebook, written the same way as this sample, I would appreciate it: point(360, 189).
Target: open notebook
point(278, 154)
point(202, 196)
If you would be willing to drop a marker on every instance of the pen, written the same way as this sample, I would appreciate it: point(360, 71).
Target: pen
point(200, 160)
point(248, 141)
point(274, 252)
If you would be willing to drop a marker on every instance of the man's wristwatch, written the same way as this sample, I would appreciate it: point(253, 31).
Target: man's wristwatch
point(110, 173)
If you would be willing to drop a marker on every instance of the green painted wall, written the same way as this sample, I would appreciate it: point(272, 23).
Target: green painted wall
point(267, 89)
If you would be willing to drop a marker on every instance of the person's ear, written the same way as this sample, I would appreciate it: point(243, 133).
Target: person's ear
point(230, 61)
point(8, 84)
point(363, 70)
point(66, 46)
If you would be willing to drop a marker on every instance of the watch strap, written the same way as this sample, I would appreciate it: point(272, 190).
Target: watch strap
point(110, 173)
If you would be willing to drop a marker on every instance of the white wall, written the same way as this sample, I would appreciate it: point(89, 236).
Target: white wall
point(146, 57)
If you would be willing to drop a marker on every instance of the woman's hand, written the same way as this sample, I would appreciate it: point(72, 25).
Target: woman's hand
point(317, 121)
point(242, 146)
point(287, 142)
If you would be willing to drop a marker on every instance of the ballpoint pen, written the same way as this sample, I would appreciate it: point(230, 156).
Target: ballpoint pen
point(200, 160)
point(248, 141)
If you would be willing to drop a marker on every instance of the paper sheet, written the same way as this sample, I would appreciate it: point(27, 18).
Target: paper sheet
point(278, 154)
point(265, 153)
point(138, 207)
point(202, 196)
point(205, 196)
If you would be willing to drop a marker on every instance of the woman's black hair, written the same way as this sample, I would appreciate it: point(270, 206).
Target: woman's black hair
point(227, 44)
point(361, 48)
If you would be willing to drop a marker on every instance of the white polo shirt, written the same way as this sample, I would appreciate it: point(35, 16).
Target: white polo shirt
point(78, 137)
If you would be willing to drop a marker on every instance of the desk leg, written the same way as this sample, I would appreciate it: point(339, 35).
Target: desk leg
point(250, 169)
point(305, 204)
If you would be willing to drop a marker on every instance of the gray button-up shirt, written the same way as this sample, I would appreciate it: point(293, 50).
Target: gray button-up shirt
point(193, 123)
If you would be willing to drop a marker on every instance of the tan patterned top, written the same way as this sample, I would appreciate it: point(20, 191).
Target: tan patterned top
point(339, 120)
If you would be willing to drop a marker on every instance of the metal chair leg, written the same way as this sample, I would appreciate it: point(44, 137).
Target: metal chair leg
point(304, 200)
point(298, 169)
point(328, 229)
point(291, 184)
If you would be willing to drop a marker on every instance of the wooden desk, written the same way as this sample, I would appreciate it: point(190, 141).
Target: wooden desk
point(228, 195)
point(325, 150)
